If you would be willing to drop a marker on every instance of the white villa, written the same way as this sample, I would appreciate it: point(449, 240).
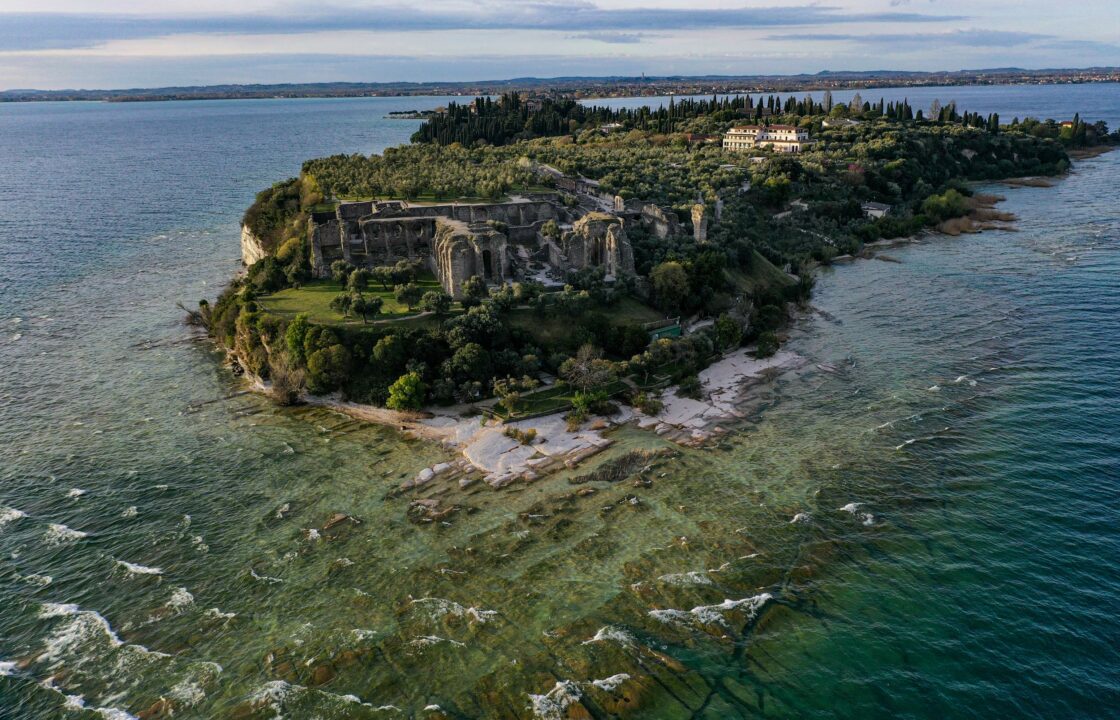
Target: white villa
point(782, 138)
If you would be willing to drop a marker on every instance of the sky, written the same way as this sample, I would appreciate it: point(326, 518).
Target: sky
point(60, 44)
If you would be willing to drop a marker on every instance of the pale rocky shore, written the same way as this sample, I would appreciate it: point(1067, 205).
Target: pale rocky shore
point(485, 453)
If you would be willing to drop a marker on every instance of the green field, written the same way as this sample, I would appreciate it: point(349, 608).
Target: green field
point(314, 298)
point(553, 399)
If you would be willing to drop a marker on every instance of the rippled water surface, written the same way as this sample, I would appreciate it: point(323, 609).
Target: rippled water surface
point(920, 522)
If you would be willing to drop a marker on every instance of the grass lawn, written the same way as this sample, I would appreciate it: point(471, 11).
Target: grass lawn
point(553, 399)
point(314, 298)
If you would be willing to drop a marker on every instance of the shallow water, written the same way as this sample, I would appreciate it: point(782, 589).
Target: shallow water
point(949, 452)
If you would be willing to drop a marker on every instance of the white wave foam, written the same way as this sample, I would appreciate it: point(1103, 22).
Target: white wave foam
point(429, 640)
point(712, 614)
point(188, 693)
point(612, 683)
point(612, 634)
point(7, 668)
point(854, 508)
point(110, 713)
point(129, 512)
point(934, 388)
point(180, 600)
point(264, 578)
point(58, 534)
point(686, 578)
point(82, 628)
point(135, 569)
point(36, 579)
point(216, 614)
point(801, 517)
point(9, 515)
point(439, 608)
point(553, 705)
point(75, 493)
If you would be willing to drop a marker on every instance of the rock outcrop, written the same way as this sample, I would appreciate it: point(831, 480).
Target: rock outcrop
point(252, 249)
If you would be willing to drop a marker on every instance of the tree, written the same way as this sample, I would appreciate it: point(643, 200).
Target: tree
point(587, 370)
point(550, 230)
point(383, 276)
point(359, 280)
point(409, 294)
point(340, 270)
point(729, 332)
point(470, 362)
point(293, 338)
point(767, 344)
point(343, 303)
point(670, 284)
point(510, 390)
point(436, 302)
point(404, 272)
point(407, 393)
point(474, 291)
point(366, 306)
point(328, 369)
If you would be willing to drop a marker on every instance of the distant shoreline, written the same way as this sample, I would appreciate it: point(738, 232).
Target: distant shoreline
point(584, 87)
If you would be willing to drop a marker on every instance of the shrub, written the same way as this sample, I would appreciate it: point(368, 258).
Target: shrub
point(525, 437)
point(288, 379)
point(407, 393)
point(690, 387)
point(327, 369)
point(767, 345)
point(648, 404)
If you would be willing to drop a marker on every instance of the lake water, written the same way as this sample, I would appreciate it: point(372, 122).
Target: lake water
point(950, 452)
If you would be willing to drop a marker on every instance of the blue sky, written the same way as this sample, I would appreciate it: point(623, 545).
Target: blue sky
point(54, 44)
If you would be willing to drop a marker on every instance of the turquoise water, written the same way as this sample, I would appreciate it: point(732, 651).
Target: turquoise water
point(950, 446)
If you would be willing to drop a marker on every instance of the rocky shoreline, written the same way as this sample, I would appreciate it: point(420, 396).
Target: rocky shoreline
point(485, 453)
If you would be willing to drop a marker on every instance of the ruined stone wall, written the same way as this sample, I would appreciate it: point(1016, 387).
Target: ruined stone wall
point(595, 240)
point(661, 222)
point(699, 224)
point(461, 251)
point(512, 213)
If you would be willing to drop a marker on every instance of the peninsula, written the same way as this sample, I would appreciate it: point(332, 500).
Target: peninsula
point(557, 268)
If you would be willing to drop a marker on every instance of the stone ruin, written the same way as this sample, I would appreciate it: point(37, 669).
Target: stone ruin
point(498, 242)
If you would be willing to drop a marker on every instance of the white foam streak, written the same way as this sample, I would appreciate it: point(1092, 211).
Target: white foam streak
point(134, 569)
point(712, 614)
point(9, 515)
point(686, 578)
point(612, 634)
point(439, 608)
point(612, 683)
point(58, 534)
point(554, 704)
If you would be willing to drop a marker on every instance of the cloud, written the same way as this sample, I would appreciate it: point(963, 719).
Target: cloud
point(31, 31)
point(611, 38)
point(971, 38)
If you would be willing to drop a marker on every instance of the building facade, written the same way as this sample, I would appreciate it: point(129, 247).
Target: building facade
point(780, 138)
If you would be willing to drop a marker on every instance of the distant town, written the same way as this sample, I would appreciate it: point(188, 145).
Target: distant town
point(588, 87)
